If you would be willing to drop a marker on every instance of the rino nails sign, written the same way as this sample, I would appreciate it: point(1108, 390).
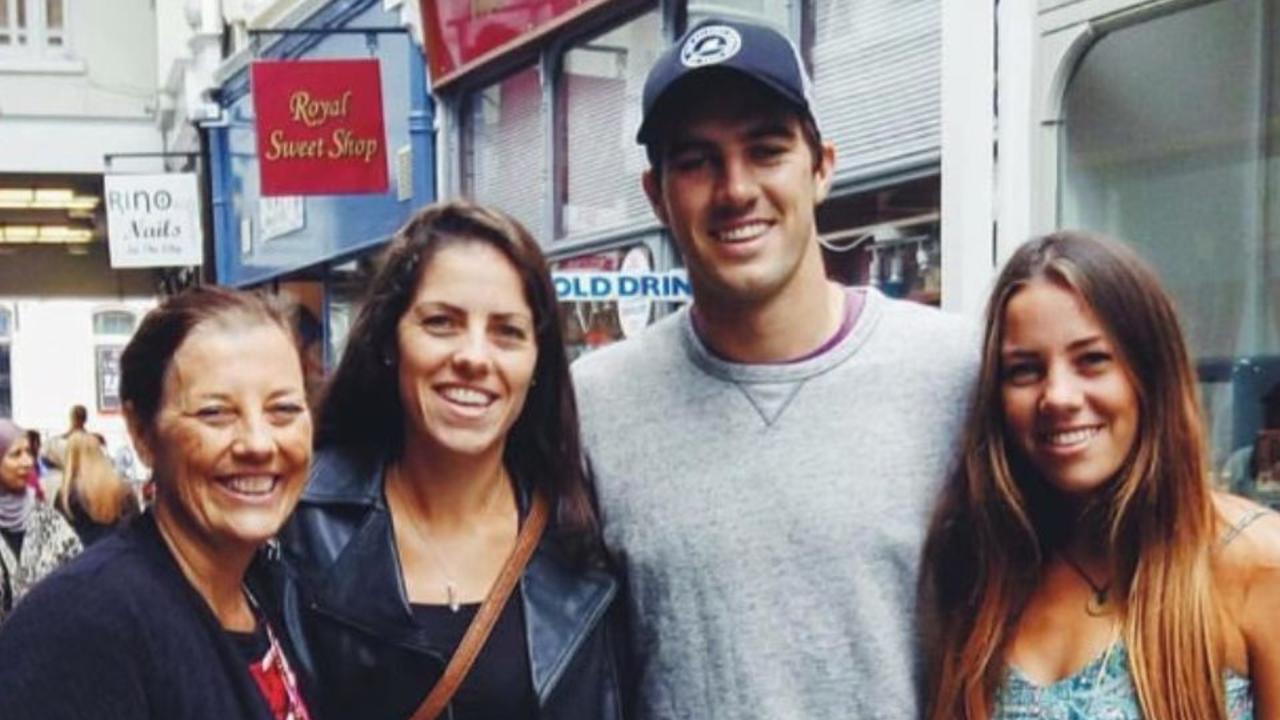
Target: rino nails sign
point(153, 220)
point(320, 129)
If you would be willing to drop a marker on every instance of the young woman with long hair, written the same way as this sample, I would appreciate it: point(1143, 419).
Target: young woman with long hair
point(449, 414)
point(92, 496)
point(1080, 563)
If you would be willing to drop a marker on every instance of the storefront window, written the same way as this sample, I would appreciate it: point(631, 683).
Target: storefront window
point(877, 83)
point(589, 323)
point(1176, 154)
point(504, 152)
point(770, 12)
point(888, 238)
point(600, 95)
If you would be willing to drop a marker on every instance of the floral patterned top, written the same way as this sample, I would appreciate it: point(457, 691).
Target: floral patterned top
point(1102, 690)
point(48, 543)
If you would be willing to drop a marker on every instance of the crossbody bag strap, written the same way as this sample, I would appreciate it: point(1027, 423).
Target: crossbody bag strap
point(478, 631)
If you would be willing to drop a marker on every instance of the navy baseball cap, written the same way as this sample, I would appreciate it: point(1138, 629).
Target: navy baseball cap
point(759, 52)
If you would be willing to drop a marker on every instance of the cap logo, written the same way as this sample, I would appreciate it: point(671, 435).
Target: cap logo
point(710, 45)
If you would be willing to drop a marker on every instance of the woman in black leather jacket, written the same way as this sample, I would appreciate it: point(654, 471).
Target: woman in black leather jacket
point(451, 406)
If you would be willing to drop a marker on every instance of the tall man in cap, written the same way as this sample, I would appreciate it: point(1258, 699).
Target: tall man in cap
point(766, 459)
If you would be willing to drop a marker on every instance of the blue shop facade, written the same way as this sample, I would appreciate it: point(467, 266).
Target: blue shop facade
point(320, 248)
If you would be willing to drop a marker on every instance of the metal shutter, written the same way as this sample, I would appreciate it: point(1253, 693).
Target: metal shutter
point(877, 82)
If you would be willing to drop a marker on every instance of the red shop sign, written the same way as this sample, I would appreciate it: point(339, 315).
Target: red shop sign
point(461, 34)
point(320, 129)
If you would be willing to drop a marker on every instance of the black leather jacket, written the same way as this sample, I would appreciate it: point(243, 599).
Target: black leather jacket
point(361, 654)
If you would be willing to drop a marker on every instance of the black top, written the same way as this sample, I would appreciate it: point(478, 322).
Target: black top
point(119, 633)
point(252, 645)
point(13, 538)
point(498, 687)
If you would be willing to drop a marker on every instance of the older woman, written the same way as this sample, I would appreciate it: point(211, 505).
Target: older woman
point(157, 621)
point(36, 538)
point(449, 417)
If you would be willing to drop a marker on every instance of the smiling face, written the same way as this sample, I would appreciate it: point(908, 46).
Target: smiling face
point(1069, 402)
point(231, 442)
point(16, 465)
point(738, 189)
point(466, 350)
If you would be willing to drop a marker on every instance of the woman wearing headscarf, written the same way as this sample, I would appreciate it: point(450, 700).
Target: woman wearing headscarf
point(36, 539)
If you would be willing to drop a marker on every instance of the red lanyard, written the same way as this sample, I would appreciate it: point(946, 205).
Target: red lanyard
point(276, 662)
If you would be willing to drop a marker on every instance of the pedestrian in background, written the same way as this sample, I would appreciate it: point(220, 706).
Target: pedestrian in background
point(93, 497)
point(173, 617)
point(449, 429)
point(37, 469)
point(36, 539)
point(1080, 564)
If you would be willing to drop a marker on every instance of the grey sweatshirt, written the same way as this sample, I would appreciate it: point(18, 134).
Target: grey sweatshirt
point(769, 518)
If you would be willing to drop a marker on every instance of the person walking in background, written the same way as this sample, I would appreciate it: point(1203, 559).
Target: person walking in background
point(37, 467)
point(36, 539)
point(54, 453)
point(175, 615)
point(1080, 564)
point(448, 428)
point(765, 459)
point(93, 497)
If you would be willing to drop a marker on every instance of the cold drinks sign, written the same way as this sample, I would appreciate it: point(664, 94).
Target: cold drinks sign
point(153, 220)
point(319, 126)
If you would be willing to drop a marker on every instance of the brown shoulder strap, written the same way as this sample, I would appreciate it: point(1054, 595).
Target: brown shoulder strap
point(478, 632)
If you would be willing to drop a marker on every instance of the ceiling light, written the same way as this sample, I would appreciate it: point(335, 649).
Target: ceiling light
point(15, 197)
point(54, 196)
point(46, 199)
point(21, 233)
point(64, 234)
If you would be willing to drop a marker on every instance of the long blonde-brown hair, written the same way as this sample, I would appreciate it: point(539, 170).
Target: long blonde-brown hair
point(89, 477)
point(997, 523)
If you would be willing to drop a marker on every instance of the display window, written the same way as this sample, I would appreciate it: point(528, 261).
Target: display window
point(1176, 153)
point(601, 78)
point(888, 238)
point(504, 154)
point(612, 295)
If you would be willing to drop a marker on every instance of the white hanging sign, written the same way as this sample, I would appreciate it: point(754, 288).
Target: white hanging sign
point(153, 220)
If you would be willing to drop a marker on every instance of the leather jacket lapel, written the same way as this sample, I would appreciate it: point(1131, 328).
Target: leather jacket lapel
point(561, 610)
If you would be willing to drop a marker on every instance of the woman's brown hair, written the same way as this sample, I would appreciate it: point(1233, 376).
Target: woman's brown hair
point(997, 522)
point(361, 409)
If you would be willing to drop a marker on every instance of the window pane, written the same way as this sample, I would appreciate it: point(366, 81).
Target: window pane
point(4, 13)
point(601, 92)
point(113, 322)
point(1172, 152)
point(6, 323)
point(770, 12)
point(505, 151)
point(22, 13)
point(53, 14)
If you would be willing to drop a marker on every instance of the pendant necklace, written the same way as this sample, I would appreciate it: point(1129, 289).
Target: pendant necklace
point(1096, 605)
point(450, 585)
